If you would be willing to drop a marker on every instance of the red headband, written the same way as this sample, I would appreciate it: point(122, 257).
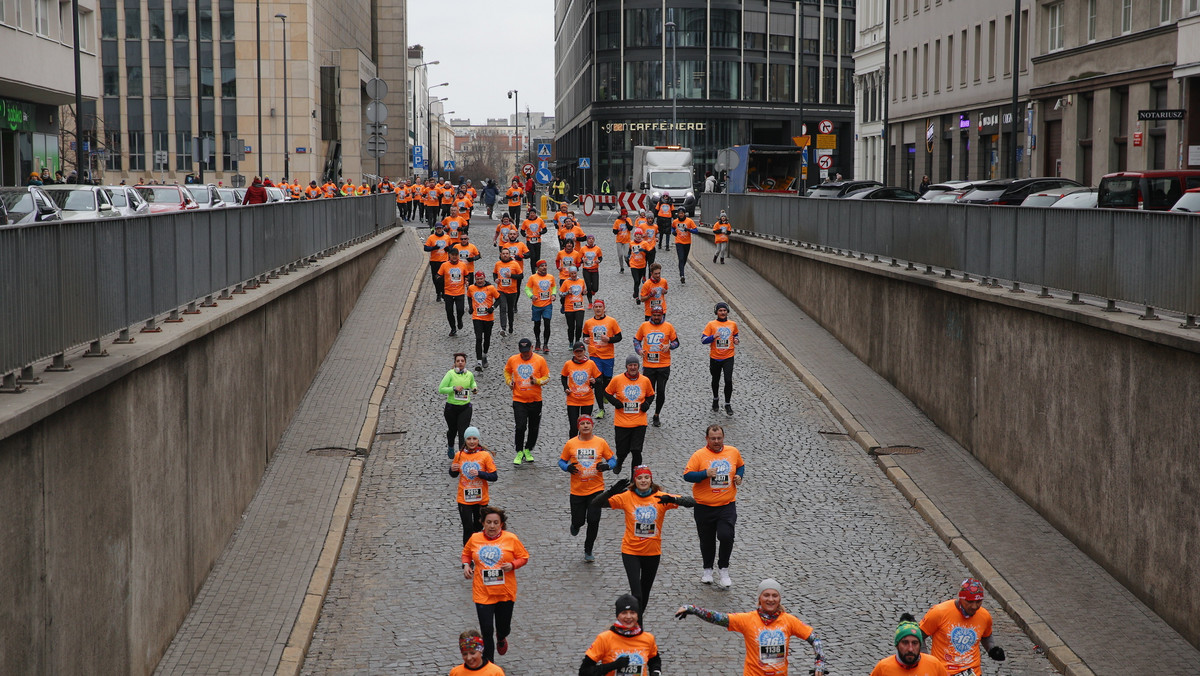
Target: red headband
point(640, 470)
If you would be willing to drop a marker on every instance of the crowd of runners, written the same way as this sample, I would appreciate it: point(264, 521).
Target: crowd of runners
point(568, 284)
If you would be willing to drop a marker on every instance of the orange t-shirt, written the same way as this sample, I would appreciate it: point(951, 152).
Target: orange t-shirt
point(610, 645)
point(483, 297)
point(651, 231)
point(489, 669)
point(579, 390)
point(576, 294)
point(721, 232)
point(637, 253)
point(432, 196)
point(505, 275)
point(523, 373)
point(514, 195)
point(533, 230)
point(683, 234)
point(656, 342)
point(591, 256)
point(502, 231)
point(927, 665)
point(518, 250)
point(455, 276)
point(664, 210)
point(471, 489)
point(718, 489)
point(631, 394)
point(643, 521)
point(454, 225)
point(722, 347)
point(658, 294)
point(642, 223)
point(542, 287)
point(442, 242)
point(490, 584)
point(623, 226)
point(593, 329)
point(954, 638)
point(466, 253)
point(564, 259)
point(587, 481)
point(767, 644)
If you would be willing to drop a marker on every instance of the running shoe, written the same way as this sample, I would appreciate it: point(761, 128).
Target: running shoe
point(728, 409)
point(716, 407)
point(503, 333)
point(588, 557)
point(453, 332)
point(654, 421)
point(478, 365)
point(502, 646)
point(450, 452)
point(528, 455)
point(574, 531)
point(517, 457)
point(706, 576)
point(724, 582)
point(683, 280)
point(714, 258)
point(485, 362)
point(600, 414)
point(722, 261)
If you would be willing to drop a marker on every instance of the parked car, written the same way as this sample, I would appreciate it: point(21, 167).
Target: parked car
point(127, 200)
point(840, 188)
point(884, 193)
point(29, 204)
point(946, 187)
point(82, 202)
point(1049, 197)
point(1084, 199)
point(1013, 191)
point(166, 199)
point(232, 196)
point(207, 196)
point(1189, 203)
point(275, 195)
point(1151, 190)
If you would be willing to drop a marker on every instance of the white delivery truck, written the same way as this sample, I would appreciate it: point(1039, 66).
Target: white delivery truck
point(665, 169)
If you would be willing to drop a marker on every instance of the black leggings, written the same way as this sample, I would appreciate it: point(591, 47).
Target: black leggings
point(664, 232)
point(574, 325)
point(581, 514)
point(438, 283)
point(713, 524)
point(598, 389)
point(541, 326)
point(681, 252)
point(639, 275)
point(483, 337)
point(715, 369)
point(641, 571)
point(514, 213)
point(469, 514)
point(592, 279)
point(658, 380)
point(527, 414)
point(535, 254)
point(508, 311)
point(630, 441)
point(573, 413)
point(501, 613)
point(458, 419)
point(455, 306)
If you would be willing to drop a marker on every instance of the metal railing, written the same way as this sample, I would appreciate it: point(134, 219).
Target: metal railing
point(1143, 257)
point(66, 284)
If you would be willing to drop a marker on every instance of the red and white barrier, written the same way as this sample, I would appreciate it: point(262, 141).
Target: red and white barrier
point(631, 201)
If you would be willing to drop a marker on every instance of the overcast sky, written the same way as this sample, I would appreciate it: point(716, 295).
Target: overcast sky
point(487, 48)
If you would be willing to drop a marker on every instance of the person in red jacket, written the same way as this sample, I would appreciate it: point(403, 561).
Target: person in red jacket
point(256, 193)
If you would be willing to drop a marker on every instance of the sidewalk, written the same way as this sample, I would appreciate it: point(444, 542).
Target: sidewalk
point(1094, 616)
point(244, 614)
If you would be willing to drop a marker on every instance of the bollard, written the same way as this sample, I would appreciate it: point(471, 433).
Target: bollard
point(191, 309)
point(1189, 322)
point(928, 270)
point(208, 302)
point(225, 294)
point(152, 326)
point(1074, 299)
point(174, 317)
point(1045, 292)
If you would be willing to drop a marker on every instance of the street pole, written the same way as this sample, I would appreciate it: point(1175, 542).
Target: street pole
point(80, 153)
point(258, 76)
point(516, 97)
point(199, 113)
point(674, 85)
point(1016, 79)
point(286, 156)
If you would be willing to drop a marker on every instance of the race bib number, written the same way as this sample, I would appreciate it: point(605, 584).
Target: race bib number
point(464, 395)
point(656, 304)
point(577, 305)
point(492, 577)
point(722, 343)
point(473, 495)
point(533, 240)
point(480, 309)
point(771, 654)
point(543, 295)
point(652, 357)
point(632, 407)
point(645, 530)
point(506, 282)
point(719, 481)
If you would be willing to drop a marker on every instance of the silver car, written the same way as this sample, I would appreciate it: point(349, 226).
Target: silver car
point(207, 196)
point(82, 202)
point(275, 195)
point(29, 204)
point(232, 196)
point(127, 200)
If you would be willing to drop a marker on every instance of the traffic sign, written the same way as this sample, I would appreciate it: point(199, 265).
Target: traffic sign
point(825, 127)
point(376, 89)
point(376, 146)
point(825, 161)
point(377, 129)
point(803, 129)
point(585, 163)
point(527, 169)
point(543, 176)
point(543, 164)
point(377, 112)
point(448, 165)
point(544, 151)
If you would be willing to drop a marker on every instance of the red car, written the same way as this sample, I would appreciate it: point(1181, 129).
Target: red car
point(167, 198)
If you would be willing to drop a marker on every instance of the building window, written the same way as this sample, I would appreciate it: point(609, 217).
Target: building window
point(112, 81)
point(158, 23)
point(137, 151)
point(1091, 21)
point(690, 26)
point(227, 27)
point(133, 83)
point(916, 57)
point(608, 81)
point(643, 27)
point(937, 65)
point(925, 70)
point(962, 67)
point(810, 34)
point(643, 80)
point(830, 36)
point(782, 43)
point(991, 50)
point(183, 150)
point(608, 29)
point(1007, 65)
point(1193, 6)
point(1054, 27)
point(949, 62)
point(179, 20)
point(755, 81)
point(904, 74)
point(811, 82)
point(108, 23)
point(755, 36)
point(160, 145)
point(725, 28)
point(1164, 11)
point(723, 80)
point(783, 80)
point(978, 52)
point(848, 36)
point(183, 84)
point(41, 17)
point(1126, 16)
point(690, 80)
point(228, 82)
point(204, 27)
point(133, 21)
point(112, 144)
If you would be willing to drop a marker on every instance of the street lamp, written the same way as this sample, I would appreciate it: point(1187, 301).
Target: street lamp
point(439, 136)
point(674, 83)
point(512, 94)
point(429, 125)
point(416, 139)
point(286, 157)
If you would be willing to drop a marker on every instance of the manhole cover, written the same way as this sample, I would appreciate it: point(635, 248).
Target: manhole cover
point(333, 452)
point(896, 450)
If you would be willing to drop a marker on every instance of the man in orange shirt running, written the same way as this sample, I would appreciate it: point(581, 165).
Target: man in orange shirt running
point(600, 333)
point(541, 287)
point(585, 457)
point(716, 472)
point(909, 660)
point(579, 376)
point(631, 395)
point(533, 227)
point(508, 274)
point(654, 292)
point(721, 337)
point(654, 341)
point(437, 244)
point(455, 278)
point(958, 627)
point(525, 373)
point(622, 227)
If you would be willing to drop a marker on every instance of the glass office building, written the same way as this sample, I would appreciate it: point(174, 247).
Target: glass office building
point(739, 72)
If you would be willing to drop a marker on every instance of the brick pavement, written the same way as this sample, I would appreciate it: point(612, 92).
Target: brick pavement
point(1079, 600)
point(241, 619)
point(815, 513)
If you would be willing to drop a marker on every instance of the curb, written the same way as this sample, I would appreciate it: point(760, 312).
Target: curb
point(1057, 652)
point(300, 638)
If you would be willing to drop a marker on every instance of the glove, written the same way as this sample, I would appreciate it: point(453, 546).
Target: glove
point(996, 653)
point(602, 466)
point(620, 663)
point(683, 612)
point(489, 309)
point(573, 468)
point(620, 485)
point(644, 407)
point(666, 499)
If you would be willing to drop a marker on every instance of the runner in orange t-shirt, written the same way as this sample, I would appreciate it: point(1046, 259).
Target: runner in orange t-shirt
point(483, 298)
point(470, 645)
point(455, 277)
point(654, 291)
point(623, 648)
point(600, 333)
point(638, 252)
point(654, 341)
point(541, 287)
point(766, 632)
point(515, 248)
point(436, 244)
point(721, 337)
point(572, 294)
point(593, 255)
point(909, 660)
point(532, 228)
point(721, 230)
point(958, 627)
point(508, 274)
point(490, 559)
point(526, 372)
point(566, 258)
point(585, 457)
point(716, 472)
point(468, 252)
point(622, 228)
point(684, 228)
point(474, 468)
point(645, 504)
point(631, 395)
point(579, 376)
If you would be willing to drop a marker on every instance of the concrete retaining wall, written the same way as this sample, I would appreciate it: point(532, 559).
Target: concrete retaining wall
point(118, 502)
point(1090, 417)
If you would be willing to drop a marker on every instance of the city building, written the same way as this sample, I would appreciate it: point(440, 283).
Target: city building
point(418, 123)
point(37, 46)
point(715, 74)
point(950, 90)
point(870, 74)
point(1099, 66)
point(499, 148)
point(172, 70)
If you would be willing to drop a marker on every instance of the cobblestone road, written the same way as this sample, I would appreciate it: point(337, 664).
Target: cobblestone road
point(814, 513)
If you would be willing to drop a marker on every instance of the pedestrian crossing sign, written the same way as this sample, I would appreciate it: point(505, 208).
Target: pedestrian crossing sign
point(585, 163)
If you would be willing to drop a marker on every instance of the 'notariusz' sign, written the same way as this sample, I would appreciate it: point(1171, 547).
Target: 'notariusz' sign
point(1161, 114)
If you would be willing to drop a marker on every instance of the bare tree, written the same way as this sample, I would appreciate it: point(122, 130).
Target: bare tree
point(486, 156)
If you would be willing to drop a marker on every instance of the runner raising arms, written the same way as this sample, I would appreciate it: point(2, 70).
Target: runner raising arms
point(909, 660)
point(958, 627)
point(490, 559)
point(721, 337)
point(767, 631)
point(585, 457)
point(600, 333)
point(654, 341)
point(474, 468)
point(715, 473)
point(470, 645)
point(623, 648)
